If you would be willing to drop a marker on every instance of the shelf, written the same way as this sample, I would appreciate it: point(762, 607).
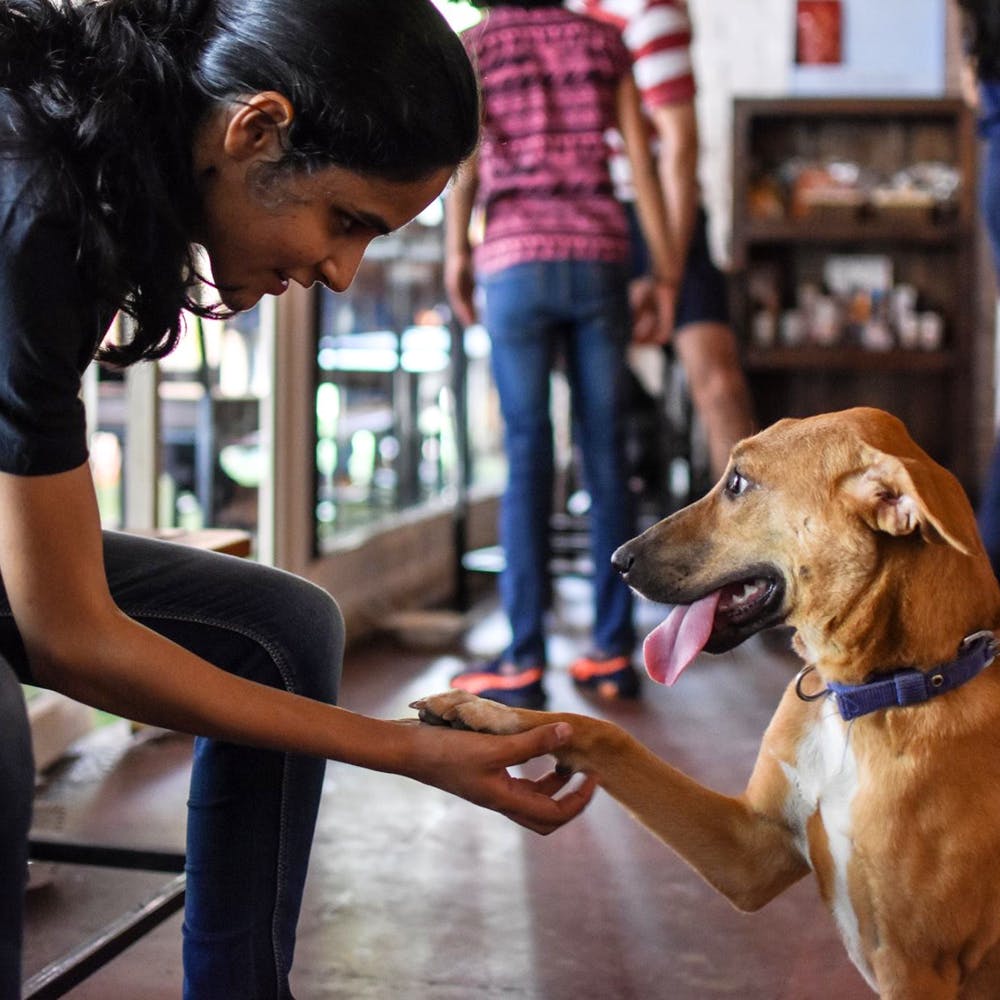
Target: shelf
point(765, 107)
point(784, 359)
point(930, 248)
point(869, 231)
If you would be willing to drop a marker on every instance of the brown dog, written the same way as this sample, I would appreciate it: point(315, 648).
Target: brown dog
point(880, 770)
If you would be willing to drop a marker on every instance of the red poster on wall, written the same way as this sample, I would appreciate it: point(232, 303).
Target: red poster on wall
point(818, 32)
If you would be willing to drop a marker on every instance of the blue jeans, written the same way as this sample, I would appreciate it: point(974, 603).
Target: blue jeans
point(988, 511)
point(251, 813)
point(533, 313)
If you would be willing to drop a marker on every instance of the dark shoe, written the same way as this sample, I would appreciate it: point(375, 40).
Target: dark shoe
point(507, 683)
point(612, 678)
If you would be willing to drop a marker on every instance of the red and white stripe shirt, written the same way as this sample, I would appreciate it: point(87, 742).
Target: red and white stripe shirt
point(657, 34)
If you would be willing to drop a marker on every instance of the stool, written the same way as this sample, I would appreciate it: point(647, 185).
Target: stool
point(114, 780)
point(70, 969)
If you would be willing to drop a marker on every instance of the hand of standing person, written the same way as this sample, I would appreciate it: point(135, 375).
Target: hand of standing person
point(460, 285)
point(653, 304)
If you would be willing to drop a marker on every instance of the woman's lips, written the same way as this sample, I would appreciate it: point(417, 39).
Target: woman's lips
point(279, 285)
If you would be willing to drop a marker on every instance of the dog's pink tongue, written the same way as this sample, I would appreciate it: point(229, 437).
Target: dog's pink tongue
point(677, 640)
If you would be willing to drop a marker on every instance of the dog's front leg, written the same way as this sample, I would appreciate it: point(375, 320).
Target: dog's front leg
point(740, 845)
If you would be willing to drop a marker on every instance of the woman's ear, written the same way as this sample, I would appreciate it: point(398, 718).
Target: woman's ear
point(255, 124)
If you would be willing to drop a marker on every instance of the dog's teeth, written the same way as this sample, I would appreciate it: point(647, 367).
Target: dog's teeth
point(751, 592)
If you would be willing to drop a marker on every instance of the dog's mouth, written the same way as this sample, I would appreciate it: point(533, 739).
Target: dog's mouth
point(715, 622)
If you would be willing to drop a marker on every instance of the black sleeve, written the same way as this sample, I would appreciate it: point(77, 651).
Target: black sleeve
point(48, 329)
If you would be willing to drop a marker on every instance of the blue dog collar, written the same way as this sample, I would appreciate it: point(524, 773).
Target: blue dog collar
point(910, 686)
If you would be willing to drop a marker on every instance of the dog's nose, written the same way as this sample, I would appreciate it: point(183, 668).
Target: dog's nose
point(622, 558)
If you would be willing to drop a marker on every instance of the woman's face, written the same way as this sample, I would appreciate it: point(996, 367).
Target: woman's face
point(301, 228)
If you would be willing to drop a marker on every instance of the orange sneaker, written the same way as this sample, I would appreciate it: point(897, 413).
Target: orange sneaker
point(507, 683)
point(612, 678)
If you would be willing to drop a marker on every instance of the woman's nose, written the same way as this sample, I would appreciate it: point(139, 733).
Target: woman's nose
point(338, 270)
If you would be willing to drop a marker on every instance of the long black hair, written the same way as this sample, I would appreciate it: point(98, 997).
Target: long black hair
point(526, 4)
point(113, 91)
point(982, 36)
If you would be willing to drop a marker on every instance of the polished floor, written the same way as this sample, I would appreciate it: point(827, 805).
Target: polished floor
point(415, 895)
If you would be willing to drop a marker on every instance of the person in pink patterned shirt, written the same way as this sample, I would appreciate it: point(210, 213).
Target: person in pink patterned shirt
point(552, 264)
point(658, 35)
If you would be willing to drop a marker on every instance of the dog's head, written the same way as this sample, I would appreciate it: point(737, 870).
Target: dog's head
point(838, 525)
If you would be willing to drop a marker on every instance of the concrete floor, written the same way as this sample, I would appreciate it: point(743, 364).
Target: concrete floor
point(416, 895)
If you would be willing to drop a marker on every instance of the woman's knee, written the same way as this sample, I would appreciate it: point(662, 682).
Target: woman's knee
point(314, 634)
point(264, 624)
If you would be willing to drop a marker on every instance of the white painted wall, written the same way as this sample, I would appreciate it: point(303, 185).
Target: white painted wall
point(741, 48)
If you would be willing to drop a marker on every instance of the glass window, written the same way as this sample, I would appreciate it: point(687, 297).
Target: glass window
point(459, 15)
point(389, 386)
point(210, 391)
point(105, 400)
point(104, 392)
point(200, 408)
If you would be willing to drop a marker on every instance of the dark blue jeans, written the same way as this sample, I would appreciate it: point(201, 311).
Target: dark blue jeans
point(251, 812)
point(988, 511)
point(534, 312)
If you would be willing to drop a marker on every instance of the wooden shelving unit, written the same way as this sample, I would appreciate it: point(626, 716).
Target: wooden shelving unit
point(930, 250)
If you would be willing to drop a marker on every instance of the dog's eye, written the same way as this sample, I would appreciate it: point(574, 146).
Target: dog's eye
point(736, 483)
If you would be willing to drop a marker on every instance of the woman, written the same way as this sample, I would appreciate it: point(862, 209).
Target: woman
point(280, 136)
point(552, 264)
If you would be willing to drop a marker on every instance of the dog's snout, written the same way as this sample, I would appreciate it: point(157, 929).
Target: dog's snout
point(623, 558)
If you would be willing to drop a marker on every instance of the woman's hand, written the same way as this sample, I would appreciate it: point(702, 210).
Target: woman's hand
point(459, 276)
point(474, 767)
point(460, 285)
point(653, 304)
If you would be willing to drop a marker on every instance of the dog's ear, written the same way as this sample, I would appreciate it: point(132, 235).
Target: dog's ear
point(900, 496)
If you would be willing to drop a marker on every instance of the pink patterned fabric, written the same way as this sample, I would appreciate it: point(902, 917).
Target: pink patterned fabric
point(550, 79)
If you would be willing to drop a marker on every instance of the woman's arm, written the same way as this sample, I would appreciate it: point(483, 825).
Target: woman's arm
point(79, 642)
point(677, 167)
point(650, 206)
point(459, 279)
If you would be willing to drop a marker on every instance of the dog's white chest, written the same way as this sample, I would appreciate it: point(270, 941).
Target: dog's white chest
point(824, 779)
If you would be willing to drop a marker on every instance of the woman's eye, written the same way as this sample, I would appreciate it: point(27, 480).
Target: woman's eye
point(737, 484)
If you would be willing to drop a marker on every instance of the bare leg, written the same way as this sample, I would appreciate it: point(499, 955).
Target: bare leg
point(718, 387)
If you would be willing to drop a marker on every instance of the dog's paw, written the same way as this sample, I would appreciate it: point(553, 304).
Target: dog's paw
point(462, 710)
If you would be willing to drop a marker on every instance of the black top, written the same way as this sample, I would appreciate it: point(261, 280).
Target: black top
point(50, 323)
